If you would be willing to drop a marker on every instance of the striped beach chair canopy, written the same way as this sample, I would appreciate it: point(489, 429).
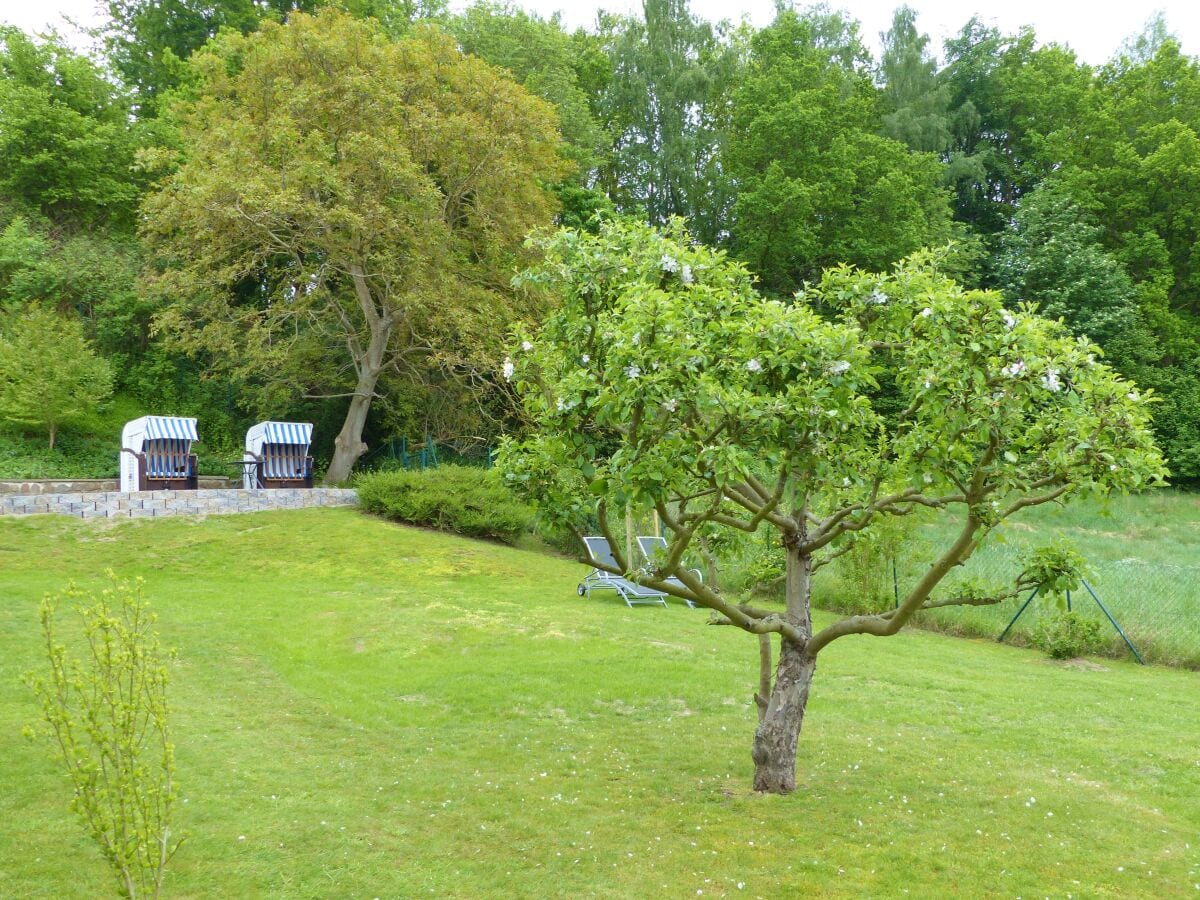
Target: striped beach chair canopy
point(282, 447)
point(166, 442)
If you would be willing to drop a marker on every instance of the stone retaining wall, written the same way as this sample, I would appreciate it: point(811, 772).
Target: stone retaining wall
point(141, 504)
point(90, 485)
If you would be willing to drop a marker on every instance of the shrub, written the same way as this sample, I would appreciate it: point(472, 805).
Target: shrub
point(1068, 635)
point(106, 715)
point(464, 500)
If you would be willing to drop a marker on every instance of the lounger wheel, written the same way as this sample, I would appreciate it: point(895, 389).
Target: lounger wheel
point(581, 590)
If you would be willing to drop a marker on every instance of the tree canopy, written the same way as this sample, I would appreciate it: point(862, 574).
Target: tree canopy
point(817, 184)
point(788, 146)
point(49, 374)
point(347, 205)
point(666, 382)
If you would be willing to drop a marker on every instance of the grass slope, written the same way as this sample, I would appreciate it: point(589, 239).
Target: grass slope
point(367, 710)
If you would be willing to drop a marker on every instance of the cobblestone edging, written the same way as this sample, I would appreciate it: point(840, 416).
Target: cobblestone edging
point(141, 504)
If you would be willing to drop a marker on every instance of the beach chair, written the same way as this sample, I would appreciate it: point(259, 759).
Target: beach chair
point(655, 548)
point(598, 580)
point(156, 454)
point(276, 456)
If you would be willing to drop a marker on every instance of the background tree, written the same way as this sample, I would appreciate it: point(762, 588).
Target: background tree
point(557, 67)
point(1053, 256)
point(817, 184)
point(1132, 156)
point(665, 382)
point(915, 102)
point(540, 56)
point(49, 374)
point(1009, 95)
point(347, 206)
point(665, 110)
point(66, 141)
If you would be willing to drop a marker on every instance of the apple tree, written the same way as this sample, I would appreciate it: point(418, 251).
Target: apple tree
point(664, 381)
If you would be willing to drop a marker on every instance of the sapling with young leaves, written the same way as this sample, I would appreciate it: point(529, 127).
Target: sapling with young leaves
point(664, 381)
point(105, 713)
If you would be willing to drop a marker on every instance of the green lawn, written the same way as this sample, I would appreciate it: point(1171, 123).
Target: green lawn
point(364, 710)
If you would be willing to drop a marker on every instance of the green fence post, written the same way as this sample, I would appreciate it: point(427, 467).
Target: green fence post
point(1104, 609)
point(1004, 633)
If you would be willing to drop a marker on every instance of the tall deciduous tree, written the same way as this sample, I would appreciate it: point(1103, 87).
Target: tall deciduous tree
point(348, 206)
point(817, 184)
point(665, 382)
point(49, 374)
point(916, 105)
point(666, 111)
point(1131, 154)
point(66, 144)
point(540, 55)
point(149, 41)
point(1054, 256)
point(1008, 95)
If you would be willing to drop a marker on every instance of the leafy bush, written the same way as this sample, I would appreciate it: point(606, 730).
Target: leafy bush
point(1068, 635)
point(464, 500)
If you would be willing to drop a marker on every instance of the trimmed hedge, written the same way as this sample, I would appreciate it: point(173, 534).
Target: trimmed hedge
point(460, 499)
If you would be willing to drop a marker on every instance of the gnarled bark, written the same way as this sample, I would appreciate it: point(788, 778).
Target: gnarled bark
point(779, 724)
point(775, 739)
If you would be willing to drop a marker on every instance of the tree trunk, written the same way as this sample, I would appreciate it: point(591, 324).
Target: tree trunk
point(775, 740)
point(348, 446)
point(778, 730)
point(53, 434)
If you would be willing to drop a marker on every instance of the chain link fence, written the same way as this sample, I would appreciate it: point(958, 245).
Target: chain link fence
point(1157, 606)
point(400, 453)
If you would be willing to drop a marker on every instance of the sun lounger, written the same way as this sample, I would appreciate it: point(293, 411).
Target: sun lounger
point(653, 550)
point(598, 580)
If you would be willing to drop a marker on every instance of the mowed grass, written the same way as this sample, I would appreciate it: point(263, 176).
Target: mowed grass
point(366, 710)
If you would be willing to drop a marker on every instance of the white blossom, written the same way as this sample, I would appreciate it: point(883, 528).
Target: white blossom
point(927, 478)
point(926, 313)
point(632, 371)
point(526, 346)
point(1017, 368)
point(1050, 381)
point(585, 359)
point(754, 365)
point(841, 367)
point(509, 368)
point(928, 384)
point(560, 405)
point(669, 263)
point(685, 275)
point(1010, 321)
point(878, 297)
point(845, 482)
point(636, 339)
point(1134, 396)
point(670, 405)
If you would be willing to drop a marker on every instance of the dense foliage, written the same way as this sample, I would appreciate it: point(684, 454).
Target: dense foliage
point(49, 375)
point(466, 500)
point(666, 382)
point(1065, 185)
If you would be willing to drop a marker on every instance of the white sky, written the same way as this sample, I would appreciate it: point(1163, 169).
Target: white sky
point(1093, 29)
